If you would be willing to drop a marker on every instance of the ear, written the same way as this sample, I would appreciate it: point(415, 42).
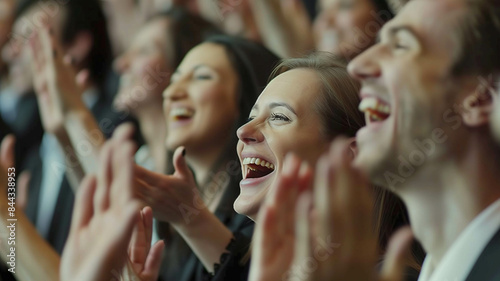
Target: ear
point(478, 105)
point(353, 146)
point(80, 47)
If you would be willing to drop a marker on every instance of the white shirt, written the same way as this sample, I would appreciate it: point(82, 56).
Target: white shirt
point(53, 168)
point(464, 252)
point(144, 159)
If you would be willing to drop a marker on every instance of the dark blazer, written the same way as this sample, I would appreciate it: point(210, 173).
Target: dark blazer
point(487, 266)
point(191, 268)
point(107, 119)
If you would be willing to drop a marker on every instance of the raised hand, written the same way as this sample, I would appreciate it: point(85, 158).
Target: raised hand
point(103, 219)
point(174, 198)
point(273, 247)
point(144, 262)
point(55, 80)
point(343, 206)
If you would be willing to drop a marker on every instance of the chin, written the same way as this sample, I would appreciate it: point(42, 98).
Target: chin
point(243, 207)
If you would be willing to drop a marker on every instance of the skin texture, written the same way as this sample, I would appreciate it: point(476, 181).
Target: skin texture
point(264, 135)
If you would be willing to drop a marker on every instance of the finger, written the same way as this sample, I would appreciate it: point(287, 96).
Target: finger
point(105, 174)
point(22, 189)
point(7, 158)
point(322, 195)
point(134, 245)
point(122, 187)
point(397, 255)
point(302, 247)
point(124, 132)
point(147, 215)
point(265, 236)
point(83, 209)
point(181, 168)
point(153, 262)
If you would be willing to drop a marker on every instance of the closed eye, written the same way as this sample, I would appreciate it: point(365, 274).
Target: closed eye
point(280, 117)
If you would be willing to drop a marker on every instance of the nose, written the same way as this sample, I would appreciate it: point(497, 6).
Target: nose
point(250, 133)
point(366, 65)
point(122, 63)
point(175, 91)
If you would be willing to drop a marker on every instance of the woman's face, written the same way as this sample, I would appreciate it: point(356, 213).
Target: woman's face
point(347, 27)
point(145, 68)
point(283, 120)
point(200, 105)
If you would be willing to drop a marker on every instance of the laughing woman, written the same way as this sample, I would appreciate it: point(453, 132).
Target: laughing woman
point(308, 102)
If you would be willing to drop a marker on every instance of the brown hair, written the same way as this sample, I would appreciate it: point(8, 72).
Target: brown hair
point(338, 103)
point(477, 36)
point(338, 107)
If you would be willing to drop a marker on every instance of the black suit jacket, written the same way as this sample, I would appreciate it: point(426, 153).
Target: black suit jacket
point(487, 266)
point(107, 119)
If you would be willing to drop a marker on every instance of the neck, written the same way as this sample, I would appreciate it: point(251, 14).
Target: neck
point(202, 161)
point(153, 129)
point(445, 196)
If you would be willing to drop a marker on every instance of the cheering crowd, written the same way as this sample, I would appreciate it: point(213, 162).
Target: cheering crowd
point(261, 140)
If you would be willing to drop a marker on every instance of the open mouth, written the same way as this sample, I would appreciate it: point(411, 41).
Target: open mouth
point(256, 167)
point(374, 109)
point(181, 113)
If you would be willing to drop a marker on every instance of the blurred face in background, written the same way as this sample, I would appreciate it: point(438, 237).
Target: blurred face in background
point(145, 67)
point(200, 104)
point(16, 51)
point(495, 120)
point(347, 27)
point(283, 120)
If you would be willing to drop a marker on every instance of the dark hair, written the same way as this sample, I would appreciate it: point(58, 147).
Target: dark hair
point(253, 64)
point(478, 35)
point(83, 15)
point(185, 30)
point(337, 106)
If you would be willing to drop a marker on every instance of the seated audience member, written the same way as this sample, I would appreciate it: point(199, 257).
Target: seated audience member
point(428, 140)
point(18, 106)
point(54, 169)
point(330, 99)
point(283, 108)
point(348, 27)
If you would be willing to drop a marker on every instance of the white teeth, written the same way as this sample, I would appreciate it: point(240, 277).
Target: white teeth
point(257, 161)
point(375, 105)
point(181, 112)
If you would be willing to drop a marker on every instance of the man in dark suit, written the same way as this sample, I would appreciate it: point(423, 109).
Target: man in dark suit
point(427, 95)
point(80, 28)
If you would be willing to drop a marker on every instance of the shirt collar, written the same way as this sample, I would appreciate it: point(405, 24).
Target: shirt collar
point(463, 253)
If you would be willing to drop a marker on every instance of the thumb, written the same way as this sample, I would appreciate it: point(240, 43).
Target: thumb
point(22, 189)
point(153, 262)
point(181, 168)
point(7, 151)
point(397, 255)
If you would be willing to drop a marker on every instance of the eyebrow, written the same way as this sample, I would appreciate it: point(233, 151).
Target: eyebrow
point(277, 104)
point(177, 71)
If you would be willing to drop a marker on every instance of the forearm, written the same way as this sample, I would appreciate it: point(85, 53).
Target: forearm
point(35, 258)
point(86, 137)
point(279, 33)
point(74, 170)
point(207, 236)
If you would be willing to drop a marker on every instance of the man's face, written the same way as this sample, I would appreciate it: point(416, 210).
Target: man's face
point(408, 91)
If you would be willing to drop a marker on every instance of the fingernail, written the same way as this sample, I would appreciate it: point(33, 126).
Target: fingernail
point(183, 152)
